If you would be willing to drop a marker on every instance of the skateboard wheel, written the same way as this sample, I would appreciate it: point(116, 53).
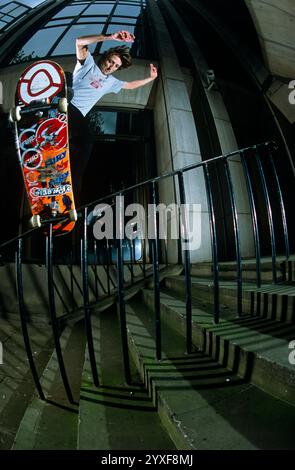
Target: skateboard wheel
point(14, 114)
point(73, 215)
point(62, 105)
point(36, 221)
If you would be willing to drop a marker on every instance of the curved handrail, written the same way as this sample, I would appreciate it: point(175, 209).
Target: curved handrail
point(146, 182)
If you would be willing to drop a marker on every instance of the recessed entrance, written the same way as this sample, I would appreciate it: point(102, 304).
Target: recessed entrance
point(123, 152)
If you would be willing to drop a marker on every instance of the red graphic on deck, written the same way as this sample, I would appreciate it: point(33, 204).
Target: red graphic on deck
point(52, 133)
point(27, 139)
point(31, 159)
point(40, 81)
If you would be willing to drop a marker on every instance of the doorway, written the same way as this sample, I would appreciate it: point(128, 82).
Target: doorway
point(123, 152)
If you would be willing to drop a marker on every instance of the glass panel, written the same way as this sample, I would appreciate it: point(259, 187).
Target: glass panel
point(27, 3)
point(120, 19)
point(69, 11)
point(67, 44)
point(59, 22)
point(127, 256)
point(7, 18)
point(127, 10)
point(102, 122)
point(32, 3)
point(18, 11)
point(2, 25)
point(99, 9)
point(116, 123)
point(113, 28)
point(99, 20)
point(38, 45)
point(7, 8)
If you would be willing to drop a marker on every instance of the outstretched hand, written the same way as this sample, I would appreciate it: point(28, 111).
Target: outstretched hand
point(153, 71)
point(123, 36)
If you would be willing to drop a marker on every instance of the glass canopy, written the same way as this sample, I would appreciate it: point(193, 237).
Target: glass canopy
point(80, 18)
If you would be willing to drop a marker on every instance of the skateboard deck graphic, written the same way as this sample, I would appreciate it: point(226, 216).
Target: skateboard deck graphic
point(41, 125)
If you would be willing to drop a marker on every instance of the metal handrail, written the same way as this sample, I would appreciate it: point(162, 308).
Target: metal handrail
point(169, 174)
point(246, 154)
point(156, 179)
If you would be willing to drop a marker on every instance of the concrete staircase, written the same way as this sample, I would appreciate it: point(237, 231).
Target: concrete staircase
point(235, 391)
point(116, 415)
point(53, 424)
point(16, 384)
point(202, 403)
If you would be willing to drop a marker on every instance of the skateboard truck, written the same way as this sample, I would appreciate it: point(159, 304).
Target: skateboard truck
point(35, 220)
point(15, 113)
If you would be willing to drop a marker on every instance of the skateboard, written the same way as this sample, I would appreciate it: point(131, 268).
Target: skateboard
point(41, 129)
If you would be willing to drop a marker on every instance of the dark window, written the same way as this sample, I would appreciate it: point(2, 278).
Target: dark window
point(39, 45)
point(9, 13)
point(67, 43)
point(57, 36)
point(70, 11)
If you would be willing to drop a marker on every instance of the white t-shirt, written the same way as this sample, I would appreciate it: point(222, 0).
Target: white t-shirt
point(90, 84)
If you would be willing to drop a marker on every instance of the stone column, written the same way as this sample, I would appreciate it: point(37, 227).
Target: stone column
point(224, 130)
point(177, 141)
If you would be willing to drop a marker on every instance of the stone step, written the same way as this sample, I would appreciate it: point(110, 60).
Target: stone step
point(116, 415)
point(53, 424)
point(256, 349)
point(231, 273)
point(276, 302)
point(68, 288)
point(16, 382)
point(202, 404)
point(285, 269)
point(228, 270)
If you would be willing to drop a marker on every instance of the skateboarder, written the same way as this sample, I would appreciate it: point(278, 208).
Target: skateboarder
point(91, 82)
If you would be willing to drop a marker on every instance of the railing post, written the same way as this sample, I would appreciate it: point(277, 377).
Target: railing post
point(131, 260)
point(213, 239)
point(155, 256)
point(254, 220)
point(108, 262)
point(133, 241)
point(269, 216)
point(22, 311)
point(54, 323)
point(72, 280)
point(88, 325)
point(282, 205)
point(236, 235)
point(187, 264)
point(121, 299)
point(144, 257)
point(95, 268)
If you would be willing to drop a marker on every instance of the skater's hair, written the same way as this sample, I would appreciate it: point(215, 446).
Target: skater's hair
point(120, 51)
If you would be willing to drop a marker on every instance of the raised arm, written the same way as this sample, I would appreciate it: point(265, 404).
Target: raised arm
point(83, 42)
point(138, 83)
